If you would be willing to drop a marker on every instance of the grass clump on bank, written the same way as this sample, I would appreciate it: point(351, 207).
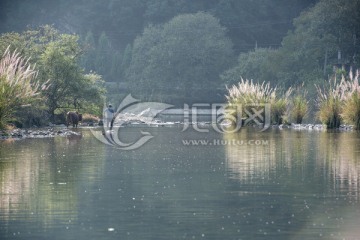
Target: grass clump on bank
point(248, 93)
point(351, 103)
point(280, 107)
point(18, 85)
point(329, 102)
point(299, 105)
point(340, 102)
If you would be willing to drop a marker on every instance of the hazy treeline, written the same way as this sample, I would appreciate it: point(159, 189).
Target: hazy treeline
point(247, 21)
point(181, 50)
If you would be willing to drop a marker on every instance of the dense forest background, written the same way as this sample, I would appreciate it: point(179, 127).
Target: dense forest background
point(186, 51)
point(247, 21)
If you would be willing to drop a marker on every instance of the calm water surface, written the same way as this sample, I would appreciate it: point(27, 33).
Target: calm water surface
point(271, 185)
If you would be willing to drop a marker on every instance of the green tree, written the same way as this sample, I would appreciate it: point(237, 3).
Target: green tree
point(252, 65)
point(309, 52)
point(70, 87)
point(183, 57)
point(103, 56)
point(57, 58)
point(262, 21)
point(88, 58)
point(126, 60)
point(116, 71)
point(321, 33)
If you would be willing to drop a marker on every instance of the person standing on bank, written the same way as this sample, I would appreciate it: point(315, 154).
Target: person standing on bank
point(109, 116)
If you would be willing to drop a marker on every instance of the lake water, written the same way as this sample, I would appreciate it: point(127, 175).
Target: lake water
point(249, 185)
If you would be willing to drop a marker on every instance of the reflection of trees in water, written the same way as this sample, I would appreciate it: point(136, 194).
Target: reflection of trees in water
point(17, 178)
point(338, 155)
point(310, 179)
point(337, 163)
point(264, 180)
point(255, 162)
point(318, 159)
point(38, 178)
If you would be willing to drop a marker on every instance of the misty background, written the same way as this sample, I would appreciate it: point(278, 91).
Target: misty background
point(180, 51)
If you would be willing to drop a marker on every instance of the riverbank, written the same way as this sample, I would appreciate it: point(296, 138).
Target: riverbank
point(36, 133)
point(318, 127)
point(64, 132)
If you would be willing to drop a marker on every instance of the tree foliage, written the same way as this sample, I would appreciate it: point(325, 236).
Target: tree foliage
point(323, 32)
point(142, 39)
point(309, 53)
point(251, 65)
point(183, 56)
point(262, 21)
point(57, 57)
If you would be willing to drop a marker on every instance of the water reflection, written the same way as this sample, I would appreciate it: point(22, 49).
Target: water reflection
point(39, 176)
point(336, 157)
point(339, 157)
point(270, 185)
point(314, 177)
point(247, 163)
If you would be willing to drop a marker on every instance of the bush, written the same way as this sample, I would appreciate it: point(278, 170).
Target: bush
point(34, 115)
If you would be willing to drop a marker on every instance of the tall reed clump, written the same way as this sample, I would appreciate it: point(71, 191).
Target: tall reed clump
point(279, 107)
point(351, 106)
point(18, 84)
point(247, 93)
point(329, 103)
point(299, 105)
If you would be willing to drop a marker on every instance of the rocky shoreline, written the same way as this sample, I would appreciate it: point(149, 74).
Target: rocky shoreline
point(64, 132)
point(318, 127)
point(36, 133)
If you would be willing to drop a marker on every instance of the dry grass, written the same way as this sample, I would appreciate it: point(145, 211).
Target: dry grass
point(299, 105)
point(299, 109)
point(329, 102)
point(279, 108)
point(340, 102)
point(19, 75)
point(249, 93)
point(89, 118)
point(17, 84)
point(351, 104)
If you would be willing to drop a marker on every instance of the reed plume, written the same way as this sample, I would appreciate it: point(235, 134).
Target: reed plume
point(18, 84)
